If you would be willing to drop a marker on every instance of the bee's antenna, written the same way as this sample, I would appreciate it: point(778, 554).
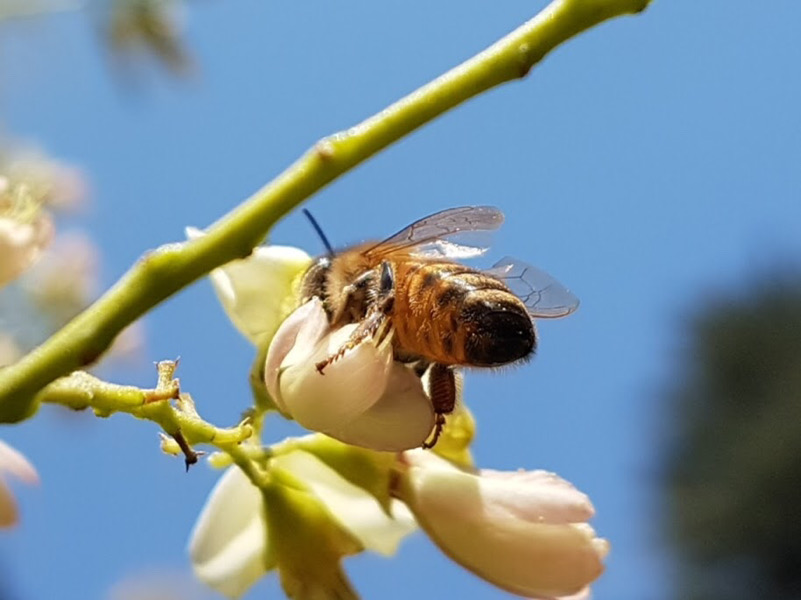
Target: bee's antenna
point(319, 231)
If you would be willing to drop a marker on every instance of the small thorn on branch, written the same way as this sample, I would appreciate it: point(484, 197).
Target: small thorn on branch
point(190, 456)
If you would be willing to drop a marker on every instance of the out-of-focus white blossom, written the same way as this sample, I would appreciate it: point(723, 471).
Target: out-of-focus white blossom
point(21, 244)
point(12, 462)
point(25, 230)
point(258, 292)
point(9, 350)
point(129, 345)
point(48, 182)
point(525, 532)
point(66, 280)
point(232, 545)
point(363, 398)
point(157, 584)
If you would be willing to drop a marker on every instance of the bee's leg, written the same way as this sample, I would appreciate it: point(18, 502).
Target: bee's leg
point(442, 389)
point(376, 324)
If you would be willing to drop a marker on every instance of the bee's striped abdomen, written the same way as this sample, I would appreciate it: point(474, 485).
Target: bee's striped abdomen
point(454, 315)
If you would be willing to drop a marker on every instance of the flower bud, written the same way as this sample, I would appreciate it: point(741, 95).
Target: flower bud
point(525, 532)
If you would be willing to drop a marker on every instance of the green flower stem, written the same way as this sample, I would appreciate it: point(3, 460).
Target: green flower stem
point(81, 390)
point(163, 272)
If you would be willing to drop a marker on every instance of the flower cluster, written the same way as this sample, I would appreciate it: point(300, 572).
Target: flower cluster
point(362, 482)
point(30, 187)
point(25, 229)
point(46, 278)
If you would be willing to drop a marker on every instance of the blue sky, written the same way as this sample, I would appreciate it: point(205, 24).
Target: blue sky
point(647, 164)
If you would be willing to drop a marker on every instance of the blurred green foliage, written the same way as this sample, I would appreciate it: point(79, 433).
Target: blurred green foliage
point(735, 468)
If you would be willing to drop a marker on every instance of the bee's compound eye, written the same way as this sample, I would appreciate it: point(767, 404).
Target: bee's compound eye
point(387, 277)
point(315, 277)
point(499, 335)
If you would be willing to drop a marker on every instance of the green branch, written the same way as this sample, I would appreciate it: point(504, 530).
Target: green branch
point(163, 272)
point(165, 405)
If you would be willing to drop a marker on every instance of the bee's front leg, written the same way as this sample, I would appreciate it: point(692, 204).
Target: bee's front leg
point(376, 324)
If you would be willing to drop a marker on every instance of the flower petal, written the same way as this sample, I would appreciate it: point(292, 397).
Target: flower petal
point(304, 327)
point(68, 276)
point(259, 291)
point(402, 418)
point(229, 544)
point(517, 549)
point(535, 496)
point(13, 463)
point(8, 507)
point(356, 509)
point(349, 386)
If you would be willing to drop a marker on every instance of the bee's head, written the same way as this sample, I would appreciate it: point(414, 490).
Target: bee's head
point(315, 278)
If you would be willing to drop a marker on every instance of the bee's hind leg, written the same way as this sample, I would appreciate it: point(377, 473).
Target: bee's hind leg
point(442, 390)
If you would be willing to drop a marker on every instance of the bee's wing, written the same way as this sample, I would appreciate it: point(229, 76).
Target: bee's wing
point(544, 297)
point(432, 236)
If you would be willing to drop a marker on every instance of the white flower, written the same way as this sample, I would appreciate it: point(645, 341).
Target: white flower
point(259, 291)
point(157, 583)
point(232, 546)
point(229, 544)
point(13, 463)
point(129, 346)
point(9, 350)
point(525, 532)
point(49, 182)
point(24, 232)
point(363, 398)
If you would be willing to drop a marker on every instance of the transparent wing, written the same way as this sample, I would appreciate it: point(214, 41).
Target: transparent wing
point(544, 297)
point(432, 236)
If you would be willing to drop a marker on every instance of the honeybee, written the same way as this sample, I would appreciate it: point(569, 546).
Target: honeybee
point(441, 314)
